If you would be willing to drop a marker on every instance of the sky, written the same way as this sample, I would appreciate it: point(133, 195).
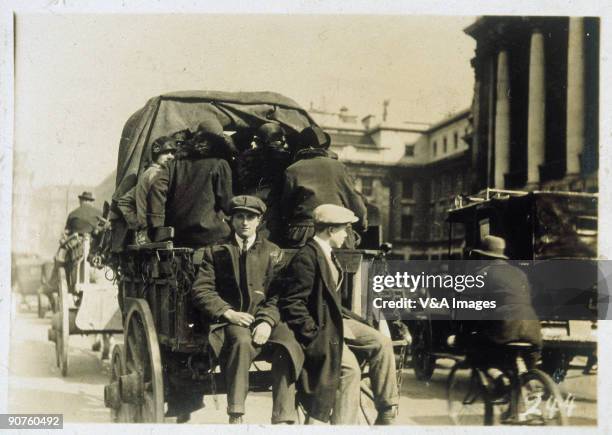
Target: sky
point(78, 77)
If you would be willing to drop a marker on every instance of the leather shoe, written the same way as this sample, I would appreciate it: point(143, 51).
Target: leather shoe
point(386, 417)
point(183, 418)
point(235, 419)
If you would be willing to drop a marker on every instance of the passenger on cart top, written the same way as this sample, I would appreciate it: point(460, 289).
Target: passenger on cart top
point(133, 204)
point(193, 193)
point(260, 171)
point(315, 179)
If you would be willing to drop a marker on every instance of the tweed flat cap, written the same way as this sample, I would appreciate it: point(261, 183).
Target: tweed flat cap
point(334, 215)
point(247, 203)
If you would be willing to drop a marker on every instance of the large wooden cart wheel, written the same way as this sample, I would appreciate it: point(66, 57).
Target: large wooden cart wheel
point(61, 338)
point(142, 384)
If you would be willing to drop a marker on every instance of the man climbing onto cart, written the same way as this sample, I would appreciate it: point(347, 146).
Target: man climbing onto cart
point(233, 292)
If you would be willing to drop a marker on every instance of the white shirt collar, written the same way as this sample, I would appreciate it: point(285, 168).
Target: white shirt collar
point(250, 241)
point(325, 246)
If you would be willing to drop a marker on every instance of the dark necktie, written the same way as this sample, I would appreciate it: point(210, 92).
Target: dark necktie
point(338, 274)
point(243, 271)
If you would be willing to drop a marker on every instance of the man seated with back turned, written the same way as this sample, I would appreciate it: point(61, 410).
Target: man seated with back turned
point(233, 291)
point(514, 319)
point(192, 193)
point(311, 181)
point(334, 339)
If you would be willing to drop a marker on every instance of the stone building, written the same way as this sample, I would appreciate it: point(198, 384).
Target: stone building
point(536, 103)
point(410, 172)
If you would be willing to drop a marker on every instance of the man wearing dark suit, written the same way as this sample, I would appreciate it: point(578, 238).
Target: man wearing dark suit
point(332, 337)
point(313, 180)
point(514, 319)
point(233, 291)
point(82, 220)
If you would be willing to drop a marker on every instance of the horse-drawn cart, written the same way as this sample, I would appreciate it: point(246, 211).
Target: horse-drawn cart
point(86, 307)
point(165, 345)
point(555, 234)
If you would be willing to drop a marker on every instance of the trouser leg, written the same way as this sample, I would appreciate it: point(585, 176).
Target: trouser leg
point(283, 388)
point(369, 344)
point(346, 407)
point(237, 355)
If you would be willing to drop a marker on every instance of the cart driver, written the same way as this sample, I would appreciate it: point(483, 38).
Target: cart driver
point(514, 320)
point(82, 220)
point(233, 292)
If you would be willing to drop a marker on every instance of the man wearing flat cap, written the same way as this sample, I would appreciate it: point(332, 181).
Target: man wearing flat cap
point(234, 294)
point(191, 194)
point(313, 181)
point(334, 339)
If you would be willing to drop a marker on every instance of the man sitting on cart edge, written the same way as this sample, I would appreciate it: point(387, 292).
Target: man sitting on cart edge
point(232, 289)
point(334, 338)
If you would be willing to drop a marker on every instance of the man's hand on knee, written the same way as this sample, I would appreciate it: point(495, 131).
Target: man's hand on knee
point(239, 318)
point(261, 333)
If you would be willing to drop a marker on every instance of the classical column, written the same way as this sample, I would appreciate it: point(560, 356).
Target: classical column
point(536, 124)
point(575, 95)
point(502, 120)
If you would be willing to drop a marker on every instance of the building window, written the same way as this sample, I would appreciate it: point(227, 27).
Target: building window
point(406, 226)
point(456, 140)
point(409, 151)
point(407, 189)
point(367, 186)
point(444, 146)
point(435, 148)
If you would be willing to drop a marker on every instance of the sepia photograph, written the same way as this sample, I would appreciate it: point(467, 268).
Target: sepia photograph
point(318, 218)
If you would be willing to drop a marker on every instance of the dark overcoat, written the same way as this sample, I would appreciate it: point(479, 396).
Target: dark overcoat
point(83, 219)
point(216, 289)
point(514, 318)
point(311, 182)
point(191, 195)
point(311, 307)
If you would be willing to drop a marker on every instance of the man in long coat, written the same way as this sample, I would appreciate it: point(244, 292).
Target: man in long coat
point(334, 339)
point(310, 182)
point(232, 290)
point(514, 318)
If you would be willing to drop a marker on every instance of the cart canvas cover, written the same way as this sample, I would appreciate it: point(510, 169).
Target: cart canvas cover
point(168, 113)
